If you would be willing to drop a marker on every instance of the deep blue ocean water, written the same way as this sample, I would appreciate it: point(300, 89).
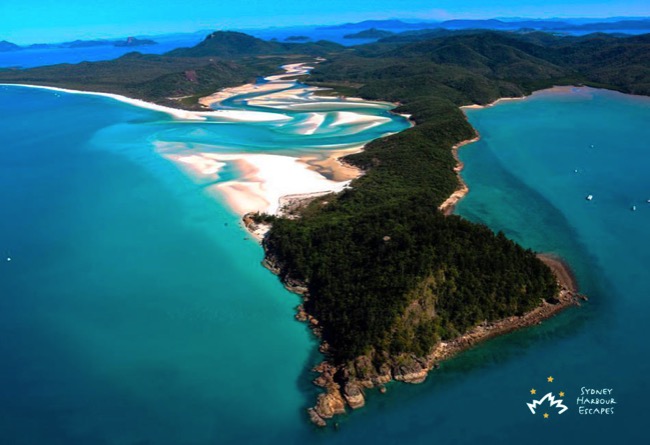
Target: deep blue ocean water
point(134, 311)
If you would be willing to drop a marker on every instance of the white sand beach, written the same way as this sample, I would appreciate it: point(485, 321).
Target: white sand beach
point(262, 179)
point(228, 115)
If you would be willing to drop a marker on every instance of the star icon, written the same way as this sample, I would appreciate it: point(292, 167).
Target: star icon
point(550, 379)
point(546, 415)
point(561, 393)
point(533, 391)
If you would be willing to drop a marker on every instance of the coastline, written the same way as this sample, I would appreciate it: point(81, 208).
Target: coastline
point(493, 103)
point(266, 179)
point(175, 112)
point(568, 296)
point(270, 183)
point(336, 398)
point(233, 115)
point(343, 391)
point(263, 180)
point(449, 205)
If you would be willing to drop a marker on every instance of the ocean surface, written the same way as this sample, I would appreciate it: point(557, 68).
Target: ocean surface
point(134, 309)
point(31, 57)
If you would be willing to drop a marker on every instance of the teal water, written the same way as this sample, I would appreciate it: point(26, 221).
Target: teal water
point(134, 311)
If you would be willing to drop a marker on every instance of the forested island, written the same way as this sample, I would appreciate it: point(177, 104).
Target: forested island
point(131, 42)
point(372, 33)
point(389, 281)
point(297, 39)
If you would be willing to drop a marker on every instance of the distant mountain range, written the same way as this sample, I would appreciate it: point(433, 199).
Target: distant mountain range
point(372, 33)
point(381, 24)
point(128, 42)
point(233, 44)
point(622, 24)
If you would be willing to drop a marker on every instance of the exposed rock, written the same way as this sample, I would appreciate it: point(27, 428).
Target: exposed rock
point(410, 372)
point(353, 395)
point(412, 377)
point(271, 265)
point(326, 375)
point(321, 381)
point(330, 403)
point(384, 376)
point(325, 368)
point(315, 418)
point(301, 315)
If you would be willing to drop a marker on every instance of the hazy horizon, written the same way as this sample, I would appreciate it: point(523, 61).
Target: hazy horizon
point(123, 35)
point(46, 21)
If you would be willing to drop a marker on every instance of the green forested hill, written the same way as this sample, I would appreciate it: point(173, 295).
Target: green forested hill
point(387, 274)
point(222, 60)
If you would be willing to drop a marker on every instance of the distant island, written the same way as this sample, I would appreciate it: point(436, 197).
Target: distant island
point(8, 46)
point(392, 282)
point(128, 42)
point(297, 39)
point(564, 25)
point(372, 33)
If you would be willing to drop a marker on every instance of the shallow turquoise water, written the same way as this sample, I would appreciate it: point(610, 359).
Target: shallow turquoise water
point(135, 312)
point(133, 309)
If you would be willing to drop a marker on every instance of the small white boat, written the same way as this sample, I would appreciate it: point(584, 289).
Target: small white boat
point(8, 258)
point(590, 197)
point(576, 170)
point(592, 146)
point(633, 208)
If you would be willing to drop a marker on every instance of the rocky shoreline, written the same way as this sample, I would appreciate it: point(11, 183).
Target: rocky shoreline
point(345, 385)
point(449, 205)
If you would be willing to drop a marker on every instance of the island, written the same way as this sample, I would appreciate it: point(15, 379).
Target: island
point(392, 282)
point(128, 42)
point(372, 33)
point(297, 39)
point(8, 46)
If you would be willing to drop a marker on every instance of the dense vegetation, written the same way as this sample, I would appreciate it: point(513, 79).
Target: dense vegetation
point(179, 77)
point(398, 276)
point(372, 33)
point(387, 273)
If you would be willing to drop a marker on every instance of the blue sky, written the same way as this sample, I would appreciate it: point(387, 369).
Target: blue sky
point(29, 21)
